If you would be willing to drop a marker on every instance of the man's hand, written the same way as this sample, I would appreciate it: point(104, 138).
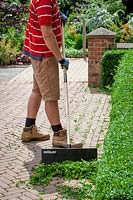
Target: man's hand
point(63, 18)
point(64, 63)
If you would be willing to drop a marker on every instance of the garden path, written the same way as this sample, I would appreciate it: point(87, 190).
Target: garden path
point(89, 111)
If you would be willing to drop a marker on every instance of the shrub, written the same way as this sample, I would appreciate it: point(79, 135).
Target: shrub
point(67, 6)
point(12, 28)
point(72, 39)
point(78, 41)
point(16, 37)
point(123, 33)
point(70, 34)
point(75, 53)
point(126, 33)
point(7, 52)
point(109, 63)
point(115, 168)
point(12, 15)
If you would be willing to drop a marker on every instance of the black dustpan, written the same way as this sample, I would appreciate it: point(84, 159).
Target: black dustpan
point(59, 155)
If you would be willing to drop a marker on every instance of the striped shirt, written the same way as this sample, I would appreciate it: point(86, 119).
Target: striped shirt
point(41, 12)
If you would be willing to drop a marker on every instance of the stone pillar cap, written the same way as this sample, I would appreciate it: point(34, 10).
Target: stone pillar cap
point(101, 33)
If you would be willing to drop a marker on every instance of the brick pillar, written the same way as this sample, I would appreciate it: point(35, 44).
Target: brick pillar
point(98, 41)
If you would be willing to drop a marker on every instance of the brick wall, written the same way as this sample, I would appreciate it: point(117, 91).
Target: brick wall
point(98, 41)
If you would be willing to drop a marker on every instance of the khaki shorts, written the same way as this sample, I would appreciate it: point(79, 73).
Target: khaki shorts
point(46, 78)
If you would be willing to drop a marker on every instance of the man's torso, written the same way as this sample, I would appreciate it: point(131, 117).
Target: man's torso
point(41, 12)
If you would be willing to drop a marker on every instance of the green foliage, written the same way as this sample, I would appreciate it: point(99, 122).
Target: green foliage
point(70, 35)
point(84, 170)
point(115, 168)
point(109, 63)
point(74, 53)
point(72, 39)
point(78, 41)
point(7, 52)
point(98, 13)
point(43, 173)
point(16, 37)
point(11, 42)
point(69, 5)
point(113, 6)
point(74, 43)
point(109, 14)
point(13, 16)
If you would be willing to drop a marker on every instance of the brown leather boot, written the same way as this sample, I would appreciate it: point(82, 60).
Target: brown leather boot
point(60, 140)
point(31, 133)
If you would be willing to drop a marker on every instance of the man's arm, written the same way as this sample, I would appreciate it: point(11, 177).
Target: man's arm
point(51, 41)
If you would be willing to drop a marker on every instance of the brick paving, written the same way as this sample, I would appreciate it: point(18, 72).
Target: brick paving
point(89, 111)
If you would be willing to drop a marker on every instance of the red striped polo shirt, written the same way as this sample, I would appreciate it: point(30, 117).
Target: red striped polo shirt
point(41, 12)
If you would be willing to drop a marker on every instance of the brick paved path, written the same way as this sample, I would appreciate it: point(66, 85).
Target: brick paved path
point(89, 111)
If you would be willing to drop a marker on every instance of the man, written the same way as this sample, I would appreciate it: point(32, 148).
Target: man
point(42, 44)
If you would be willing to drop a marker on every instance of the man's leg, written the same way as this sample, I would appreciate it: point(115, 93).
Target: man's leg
point(32, 108)
point(33, 105)
point(52, 111)
point(30, 131)
point(60, 134)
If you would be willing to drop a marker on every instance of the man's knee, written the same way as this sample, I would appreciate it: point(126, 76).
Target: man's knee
point(36, 95)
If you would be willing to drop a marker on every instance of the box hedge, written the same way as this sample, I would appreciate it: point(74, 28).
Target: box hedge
point(109, 63)
point(115, 166)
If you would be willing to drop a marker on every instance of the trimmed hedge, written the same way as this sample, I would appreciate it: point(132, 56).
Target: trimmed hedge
point(109, 63)
point(115, 167)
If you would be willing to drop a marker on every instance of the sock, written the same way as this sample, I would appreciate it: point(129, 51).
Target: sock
point(56, 128)
point(29, 122)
